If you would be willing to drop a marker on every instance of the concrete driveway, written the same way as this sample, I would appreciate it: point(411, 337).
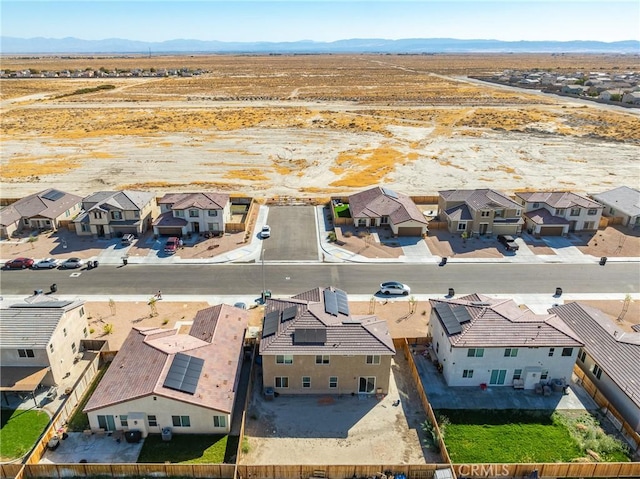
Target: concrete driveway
point(293, 234)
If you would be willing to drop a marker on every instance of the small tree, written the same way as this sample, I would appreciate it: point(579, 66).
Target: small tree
point(112, 306)
point(152, 304)
point(107, 328)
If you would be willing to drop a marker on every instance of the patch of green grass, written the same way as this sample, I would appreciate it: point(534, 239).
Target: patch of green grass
point(185, 449)
point(80, 421)
point(508, 436)
point(19, 430)
point(342, 211)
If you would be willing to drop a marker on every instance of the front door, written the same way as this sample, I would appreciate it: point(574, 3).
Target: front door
point(107, 423)
point(100, 229)
point(367, 385)
point(497, 376)
point(196, 227)
point(483, 228)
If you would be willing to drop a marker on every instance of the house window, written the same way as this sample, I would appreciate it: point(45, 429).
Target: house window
point(85, 228)
point(535, 205)
point(136, 214)
point(282, 382)
point(64, 331)
point(212, 212)
point(485, 214)
point(467, 373)
point(85, 332)
point(384, 220)
point(517, 374)
point(567, 351)
point(333, 382)
point(124, 420)
point(153, 421)
point(362, 222)
point(597, 371)
point(592, 211)
point(97, 215)
point(26, 221)
point(510, 352)
point(544, 375)
point(462, 226)
point(437, 347)
point(181, 421)
point(582, 355)
point(612, 211)
point(73, 348)
point(194, 213)
point(67, 213)
point(116, 215)
point(81, 312)
point(589, 225)
point(498, 213)
point(306, 381)
point(475, 352)
point(551, 351)
point(284, 359)
point(560, 212)
point(179, 214)
point(51, 348)
point(373, 359)
point(575, 212)
point(518, 212)
point(322, 359)
point(26, 353)
point(219, 421)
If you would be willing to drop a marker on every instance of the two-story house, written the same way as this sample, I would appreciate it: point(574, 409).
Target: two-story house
point(40, 341)
point(481, 340)
point(559, 213)
point(379, 206)
point(46, 210)
point(479, 212)
point(183, 213)
point(162, 378)
point(623, 203)
point(311, 344)
point(109, 214)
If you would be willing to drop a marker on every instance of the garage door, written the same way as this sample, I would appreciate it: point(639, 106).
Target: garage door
point(410, 231)
point(550, 231)
point(170, 231)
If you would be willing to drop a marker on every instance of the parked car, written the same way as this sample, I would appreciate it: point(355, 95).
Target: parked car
point(19, 263)
point(394, 287)
point(47, 263)
point(265, 232)
point(128, 239)
point(509, 242)
point(71, 263)
point(172, 245)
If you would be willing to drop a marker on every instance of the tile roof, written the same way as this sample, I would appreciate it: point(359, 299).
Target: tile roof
point(345, 334)
point(143, 362)
point(459, 213)
point(542, 216)
point(378, 202)
point(623, 198)
point(480, 199)
point(203, 201)
point(167, 219)
point(39, 204)
point(502, 323)
point(558, 199)
point(32, 324)
point(126, 200)
point(616, 351)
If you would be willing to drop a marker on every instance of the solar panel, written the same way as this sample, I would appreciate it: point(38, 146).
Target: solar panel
point(343, 302)
point(289, 313)
point(330, 302)
point(462, 314)
point(448, 319)
point(270, 325)
point(184, 373)
point(390, 193)
point(309, 336)
point(53, 195)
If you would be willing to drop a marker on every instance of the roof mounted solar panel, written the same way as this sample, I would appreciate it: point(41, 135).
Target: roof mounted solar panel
point(270, 325)
point(343, 302)
point(330, 302)
point(390, 193)
point(289, 313)
point(184, 373)
point(461, 314)
point(309, 336)
point(53, 195)
point(448, 319)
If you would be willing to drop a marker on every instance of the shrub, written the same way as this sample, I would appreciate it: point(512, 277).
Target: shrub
point(107, 328)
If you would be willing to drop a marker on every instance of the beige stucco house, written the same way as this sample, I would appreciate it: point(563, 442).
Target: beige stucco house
point(40, 341)
point(479, 212)
point(108, 214)
point(311, 344)
point(623, 203)
point(192, 213)
point(47, 210)
point(162, 378)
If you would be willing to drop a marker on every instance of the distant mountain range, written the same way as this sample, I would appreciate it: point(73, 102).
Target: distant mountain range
point(13, 45)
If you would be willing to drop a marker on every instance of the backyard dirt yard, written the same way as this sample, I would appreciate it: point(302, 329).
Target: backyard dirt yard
point(312, 127)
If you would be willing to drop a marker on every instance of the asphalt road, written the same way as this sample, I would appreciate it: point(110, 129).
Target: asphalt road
point(289, 279)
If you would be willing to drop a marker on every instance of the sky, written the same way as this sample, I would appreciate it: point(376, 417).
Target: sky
point(322, 21)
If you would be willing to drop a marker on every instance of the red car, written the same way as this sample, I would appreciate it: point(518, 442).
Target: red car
point(19, 263)
point(172, 245)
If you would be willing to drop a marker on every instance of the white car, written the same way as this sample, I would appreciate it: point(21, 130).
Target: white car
point(265, 232)
point(47, 263)
point(394, 287)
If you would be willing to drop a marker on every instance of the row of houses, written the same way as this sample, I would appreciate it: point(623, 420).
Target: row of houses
point(108, 214)
point(103, 73)
point(311, 343)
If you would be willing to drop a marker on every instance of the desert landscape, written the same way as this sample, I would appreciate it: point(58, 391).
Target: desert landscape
point(310, 126)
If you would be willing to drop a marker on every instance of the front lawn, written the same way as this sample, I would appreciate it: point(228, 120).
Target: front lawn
point(185, 449)
point(342, 210)
point(20, 429)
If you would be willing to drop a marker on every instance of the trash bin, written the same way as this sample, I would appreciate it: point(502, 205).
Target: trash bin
point(444, 261)
point(603, 261)
point(451, 292)
point(36, 292)
point(558, 291)
point(266, 295)
point(95, 264)
point(53, 287)
point(125, 260)
point(166, 434)
point(89, 264)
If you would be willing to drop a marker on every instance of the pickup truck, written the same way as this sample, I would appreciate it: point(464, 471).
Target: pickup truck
point(509, 242)
point(171, 246)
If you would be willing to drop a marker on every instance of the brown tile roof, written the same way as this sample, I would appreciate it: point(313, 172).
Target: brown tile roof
point(142, 364)
point(203, 201)
point(480, 199)
point(125, 200)
point(558, 199)
point(39, 205)
point(345, 334)
point(616, 351)
point(502, 323)
point(541, 216)
point(167, 219)
point(377, 202)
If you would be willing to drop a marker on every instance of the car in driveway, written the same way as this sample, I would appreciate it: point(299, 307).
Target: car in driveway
point(171, 245)
point(71, 263)
point(19, 263)
point(509, 242)
point(127, 239)
point(265, 232)
point(395, 287)
point(47, 263)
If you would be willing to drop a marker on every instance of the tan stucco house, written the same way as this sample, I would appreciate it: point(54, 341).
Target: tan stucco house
point(479, 212)
point(162, 378)
point(46, 210)
point(192, 213)
point(108, 214)
point(622, 202)
point(311, 344)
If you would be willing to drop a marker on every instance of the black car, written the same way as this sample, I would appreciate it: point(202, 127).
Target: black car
point(509, 242)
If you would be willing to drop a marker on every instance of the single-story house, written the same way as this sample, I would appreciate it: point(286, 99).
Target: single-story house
point(183, 213)
point(622, 202)
point(161, 378)
point(311, 344)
